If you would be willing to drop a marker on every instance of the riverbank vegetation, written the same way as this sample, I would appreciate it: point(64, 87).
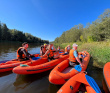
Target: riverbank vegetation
point(7, 34)
point(94, 38)
point(99, 51)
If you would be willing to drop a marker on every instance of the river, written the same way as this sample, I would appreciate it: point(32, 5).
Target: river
point(35, 83)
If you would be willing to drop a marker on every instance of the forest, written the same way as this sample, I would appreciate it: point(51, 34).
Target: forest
point(98, 30)
point(7, 34)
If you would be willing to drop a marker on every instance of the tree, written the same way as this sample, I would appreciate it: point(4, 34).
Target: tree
point(0, 31)
point(4, 32)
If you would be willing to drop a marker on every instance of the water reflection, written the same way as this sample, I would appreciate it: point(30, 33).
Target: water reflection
point(53, 88)
point(39, 81)
point(5, 73)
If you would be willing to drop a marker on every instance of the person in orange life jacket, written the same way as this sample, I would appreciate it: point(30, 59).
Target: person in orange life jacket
point(58, 49)
point(67, 49)
point(42, 50)
point(50, 52)
point(73, 56)
point(45, 47)
point(22, 53)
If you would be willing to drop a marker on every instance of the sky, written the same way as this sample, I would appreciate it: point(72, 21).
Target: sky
point(48, 19)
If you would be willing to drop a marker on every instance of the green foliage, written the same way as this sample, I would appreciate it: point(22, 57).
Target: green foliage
point(81, 38)
point(99, 30)
point(0, 31)
point(91, 39)
point(16, 35)
point(99, 51)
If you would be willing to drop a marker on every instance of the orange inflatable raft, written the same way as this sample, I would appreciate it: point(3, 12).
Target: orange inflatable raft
point(106, 73)
point(9, 65)
point(39, 66)
point(62, 72)
point(73, 84)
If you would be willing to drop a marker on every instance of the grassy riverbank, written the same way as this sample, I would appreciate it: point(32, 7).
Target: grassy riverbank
point(99, 51)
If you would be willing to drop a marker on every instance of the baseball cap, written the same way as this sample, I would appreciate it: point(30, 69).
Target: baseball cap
point(74, 44)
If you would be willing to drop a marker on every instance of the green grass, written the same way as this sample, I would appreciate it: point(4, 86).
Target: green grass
point(99, 51)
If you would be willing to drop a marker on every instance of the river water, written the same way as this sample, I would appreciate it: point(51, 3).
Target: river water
point(35, 83)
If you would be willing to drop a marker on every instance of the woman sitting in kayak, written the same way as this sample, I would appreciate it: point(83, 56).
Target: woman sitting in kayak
point(51, 52)
point(43, 49)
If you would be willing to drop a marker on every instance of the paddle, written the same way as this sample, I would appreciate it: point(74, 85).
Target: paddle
point(60, 52)
point(78, 68)
point(35, 58)
point(4, 61)
point(93, 84)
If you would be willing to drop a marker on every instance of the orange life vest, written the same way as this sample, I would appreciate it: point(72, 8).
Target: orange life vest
point(71, 56)
point(44, 49)
point(23, 56)
point(51, 54)
point(66, 49)
point(58, 49)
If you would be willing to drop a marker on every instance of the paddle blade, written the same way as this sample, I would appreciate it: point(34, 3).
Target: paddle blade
point(93, 84)
point(4, 61)
point(35, 58)
point(78, 68)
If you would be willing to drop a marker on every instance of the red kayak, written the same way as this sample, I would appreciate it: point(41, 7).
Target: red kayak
point(9, 65)
point(62, 72)
point(73, 84)
point(106, 73)
point(41, 65)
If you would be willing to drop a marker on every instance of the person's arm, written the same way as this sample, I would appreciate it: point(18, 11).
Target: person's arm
point(26, 53)
point(46, 53)
point(40, 52)
point(76, 56)
point(78, 60)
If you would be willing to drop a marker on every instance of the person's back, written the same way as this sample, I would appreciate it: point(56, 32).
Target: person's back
point(20, 54)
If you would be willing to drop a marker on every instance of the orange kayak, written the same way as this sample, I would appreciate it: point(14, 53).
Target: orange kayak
point(72, 85)
point(62, 72)
point(106, 73)
point(9, 65)
point(39, 66)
